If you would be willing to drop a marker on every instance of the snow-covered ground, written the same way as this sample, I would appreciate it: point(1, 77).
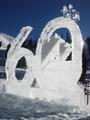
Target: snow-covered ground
point(18, 108)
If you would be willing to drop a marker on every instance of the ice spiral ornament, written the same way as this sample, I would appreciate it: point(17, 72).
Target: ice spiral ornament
point(15, 53)
point(49, 60)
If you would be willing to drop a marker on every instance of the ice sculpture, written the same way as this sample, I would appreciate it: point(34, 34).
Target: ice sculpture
point(6, 40)
point(47, 66)
point(56, 78)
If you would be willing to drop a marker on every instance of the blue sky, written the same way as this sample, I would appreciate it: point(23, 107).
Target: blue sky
point(14, 14)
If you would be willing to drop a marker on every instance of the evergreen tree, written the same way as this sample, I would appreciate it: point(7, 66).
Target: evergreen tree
point(88, 44)
point(68, 37)
point(0, 44)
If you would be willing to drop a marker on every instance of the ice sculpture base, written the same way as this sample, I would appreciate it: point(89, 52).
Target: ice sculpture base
point(64, 97)
point(69, 97)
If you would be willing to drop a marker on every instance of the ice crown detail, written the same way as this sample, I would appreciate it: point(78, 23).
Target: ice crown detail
point(69, 12)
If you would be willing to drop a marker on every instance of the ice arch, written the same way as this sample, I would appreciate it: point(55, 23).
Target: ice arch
point(15, 53)
point(57, 23)
point(55, 71)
